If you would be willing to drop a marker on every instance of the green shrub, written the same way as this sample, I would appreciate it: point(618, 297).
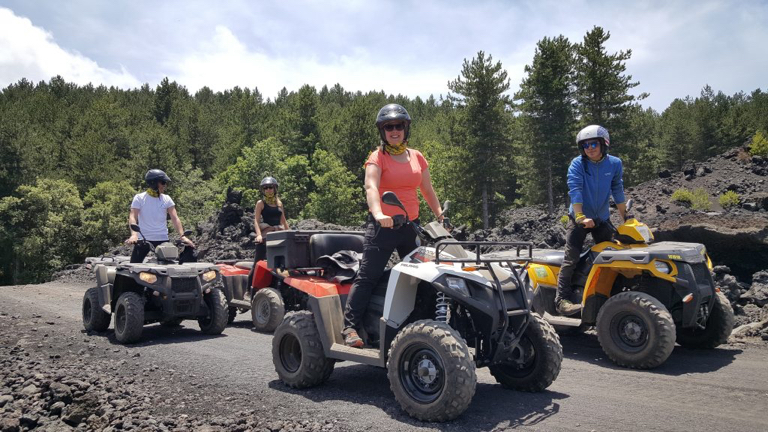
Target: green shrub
point(564, 220)
point(759, 146)
point(698, 199)
point(682, 195)
point(729, 199)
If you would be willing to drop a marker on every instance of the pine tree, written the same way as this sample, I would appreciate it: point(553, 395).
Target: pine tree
point(602, 88)
point(548, 111)
point(479, 94)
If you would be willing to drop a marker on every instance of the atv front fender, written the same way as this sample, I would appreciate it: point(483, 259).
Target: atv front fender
point(103, 282)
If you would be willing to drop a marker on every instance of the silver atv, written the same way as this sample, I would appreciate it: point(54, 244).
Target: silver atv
point(159, 290)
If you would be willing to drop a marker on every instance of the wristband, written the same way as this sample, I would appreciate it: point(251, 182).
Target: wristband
point(580, 217)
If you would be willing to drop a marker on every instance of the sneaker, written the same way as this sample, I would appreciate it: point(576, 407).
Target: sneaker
point(351, 338)
point(567, 308)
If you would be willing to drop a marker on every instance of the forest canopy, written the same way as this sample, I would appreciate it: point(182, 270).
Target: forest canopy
point(71, 157)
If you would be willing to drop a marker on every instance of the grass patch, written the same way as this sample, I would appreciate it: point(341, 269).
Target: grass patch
point(759, 145)
point(729, 199)
point(697, 200)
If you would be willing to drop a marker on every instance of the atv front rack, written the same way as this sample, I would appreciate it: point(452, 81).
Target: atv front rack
point(501, 331)
point(442, 244)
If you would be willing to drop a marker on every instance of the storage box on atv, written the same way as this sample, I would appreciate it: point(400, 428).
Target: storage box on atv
point(292, 249)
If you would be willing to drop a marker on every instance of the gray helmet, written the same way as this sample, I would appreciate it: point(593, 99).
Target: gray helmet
point(594, 132)
point(268, 181)
point(393, 113)
point(153, 176)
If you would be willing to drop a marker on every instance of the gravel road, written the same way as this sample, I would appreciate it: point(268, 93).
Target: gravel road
point(179, 379)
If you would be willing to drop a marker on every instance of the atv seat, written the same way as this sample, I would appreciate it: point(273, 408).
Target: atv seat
point(244, 265)
point(329, 244)
point(548, 257)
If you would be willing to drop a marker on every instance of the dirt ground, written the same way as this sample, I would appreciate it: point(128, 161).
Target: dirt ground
point(57, 377)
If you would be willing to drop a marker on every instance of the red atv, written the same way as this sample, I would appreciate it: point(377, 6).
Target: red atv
point(267, 290)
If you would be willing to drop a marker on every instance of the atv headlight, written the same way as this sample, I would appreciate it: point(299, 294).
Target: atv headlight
point(662, 267)
point(209, 275)
point(148, 277)
point(457, 284)
point(645, 233)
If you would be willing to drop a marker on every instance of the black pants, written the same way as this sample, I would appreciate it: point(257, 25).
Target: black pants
point(140, 250)
point(574, 241)
point(378, 247)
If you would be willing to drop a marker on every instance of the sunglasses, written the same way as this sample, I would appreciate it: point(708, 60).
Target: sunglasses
point(590, 144)
point(269, 187)
point(391, 127)
point(163, 182)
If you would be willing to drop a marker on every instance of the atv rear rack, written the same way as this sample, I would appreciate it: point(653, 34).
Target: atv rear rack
point(504, 315)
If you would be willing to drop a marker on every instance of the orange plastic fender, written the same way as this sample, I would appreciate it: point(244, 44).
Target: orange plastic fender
point(317, 286)
point(262, 277)
point(230, 270)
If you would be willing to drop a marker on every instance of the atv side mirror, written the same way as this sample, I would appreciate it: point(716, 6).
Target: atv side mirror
point(446, 206)
point(136, 228)
point(629, 204)
point(390, 198)
point(187, 233)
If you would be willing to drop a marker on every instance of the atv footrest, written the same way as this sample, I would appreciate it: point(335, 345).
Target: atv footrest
point(240, 303)
point(368, 356)
point(561, 320)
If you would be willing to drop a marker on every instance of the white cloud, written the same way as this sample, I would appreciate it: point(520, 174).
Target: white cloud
point(225, 61)
point(30, 52)
point(401, 47)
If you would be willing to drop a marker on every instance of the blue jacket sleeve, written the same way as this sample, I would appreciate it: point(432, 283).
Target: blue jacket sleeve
point(617, 183)
point(576, 181)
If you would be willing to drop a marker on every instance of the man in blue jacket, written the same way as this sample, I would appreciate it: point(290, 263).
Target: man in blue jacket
point(593, 178)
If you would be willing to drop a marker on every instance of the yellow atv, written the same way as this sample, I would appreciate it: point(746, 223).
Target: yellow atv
point(641, 296)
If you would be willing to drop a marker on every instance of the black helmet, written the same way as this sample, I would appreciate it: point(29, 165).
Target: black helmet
point(268, 181)
point(155, 175)
point(393, 113)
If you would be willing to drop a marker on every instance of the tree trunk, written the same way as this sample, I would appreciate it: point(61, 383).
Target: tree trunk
point(550, 198)
point(485, 206)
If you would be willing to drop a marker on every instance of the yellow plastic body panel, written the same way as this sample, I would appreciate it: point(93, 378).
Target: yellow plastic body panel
point(542, 274)
point(630, 228)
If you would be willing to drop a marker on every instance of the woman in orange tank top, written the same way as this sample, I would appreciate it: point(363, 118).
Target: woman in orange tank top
point(392, 167)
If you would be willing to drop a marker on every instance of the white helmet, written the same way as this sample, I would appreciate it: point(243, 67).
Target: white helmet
point(592, 132)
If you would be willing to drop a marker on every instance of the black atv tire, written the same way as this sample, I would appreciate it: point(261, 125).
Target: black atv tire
point(627, 313)
point(172, 322)
point(436, 348)
point(540, 356)
point(719, 327)
point(216, 321)
point(94, 318)
point(232, 315)
point(129, 317)
point(267, 309)
point(297, 352)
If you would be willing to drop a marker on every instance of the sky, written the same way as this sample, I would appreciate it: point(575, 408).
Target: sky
point(412, 48)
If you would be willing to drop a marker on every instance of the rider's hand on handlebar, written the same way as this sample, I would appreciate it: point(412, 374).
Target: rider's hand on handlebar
point(383, 220)
point(588, 223)
point(188, 242)
point(132, 239)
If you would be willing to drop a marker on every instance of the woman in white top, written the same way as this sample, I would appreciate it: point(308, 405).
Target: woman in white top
point(150, 210)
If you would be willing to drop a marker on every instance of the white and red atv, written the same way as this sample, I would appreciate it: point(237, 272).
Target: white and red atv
point(436, 316)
